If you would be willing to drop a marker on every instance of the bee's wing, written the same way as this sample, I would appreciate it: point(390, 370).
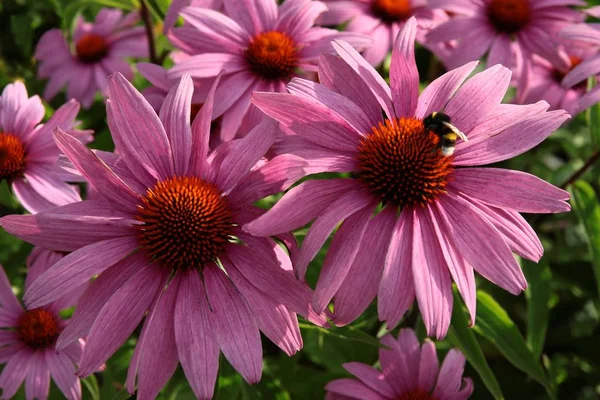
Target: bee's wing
point(455, 130)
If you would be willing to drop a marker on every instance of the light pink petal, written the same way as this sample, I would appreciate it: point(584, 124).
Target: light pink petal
point(298, 18)
point(121, 315)
point(428, 366)
point(371, 377)
point(254, 15)
point(83, 88)
point(37, 382)
point(362, 281)
point(236, 329)
point(583, 71)
point(137, 131)
point(473, 45)
point(341, 11)
point(437, 94)
point(173, 13)
point(587, 100)
point(208, 65)
point(369, 75)
point(14, 96)
point(309, 119)
point(29, 115)
point(514, 190)
point(225, 99)
point(500, 52)
point(465, 392)
point(353, 389)
point(50, 186)
point(14, 373)
point(449, 379)
point(195, 335)
point(582, 32)
point(76, 269)
point(399, 362)
point(62, 370)
point(404, 76)
point(8, 301)
point(32, 200)
point(346, 205)
point(340, 256)
point(232, 118)
point(480, 244)
point(376, 53)
point(217, 27)
point(397, 290)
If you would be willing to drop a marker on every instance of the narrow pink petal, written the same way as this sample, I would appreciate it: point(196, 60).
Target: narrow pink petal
point(14, 373)
point(428, 366)
point(175, 115)
point(340, 256)
point(299, 17)
point(371, 377)
point(362, 281)
point(97, 173)
point(480, 244)
point(400, 360)
point(76, 269)
point(500, 52)
point(120, 316)
point(382, 38)
point(465, 392)
point(62, 370)
point(50, 185)
point(41, 140)
point(32, 200)
point(8, 300)
point(14, 96)
point(254, 15)
point(397, 290)
point(404, 76)
point(137, 131)
point(353, 389)
point(346, 205)
point(236, 329)
point(208, 65)
point(173, 13)
point(29, 115)
point(195, 335)
point(514, 190)
point(37, 382)
point(159, 358)
point(449, 380)
point(309, 119)
point(299, 206)
point(217, 27)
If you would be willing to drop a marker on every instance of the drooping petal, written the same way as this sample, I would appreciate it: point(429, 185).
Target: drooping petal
point(450, 377)
point(404, 76)
point(37, 382)
point(62, 370)
point(353, 389)
point(218, 27)
point(370, 377)
point(428, 366)
point(254, 15)
point(14, 373)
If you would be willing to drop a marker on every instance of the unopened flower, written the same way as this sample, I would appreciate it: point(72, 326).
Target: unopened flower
point(443, 215)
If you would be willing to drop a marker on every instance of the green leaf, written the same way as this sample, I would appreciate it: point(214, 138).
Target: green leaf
point(6, 197)
point(593, 117)
point(585, 204)
point(20, 26)
point(464, 339)
point(92, 386)
point(351, 333)
point(75, 7)
point(538, 296)
point(495, 325)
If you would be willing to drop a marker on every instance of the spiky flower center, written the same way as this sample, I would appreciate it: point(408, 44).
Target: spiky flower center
point(12, 157)
point(272, 55)
point(402, 163)
point(186, 221)
point(38, 328)
point(391, 11)
point(509, 16)
point(416, 394)
point(91, 48)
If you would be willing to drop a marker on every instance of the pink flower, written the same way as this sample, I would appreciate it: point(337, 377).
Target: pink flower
point(409, 372)
point(491, 26)
point(381, 20)
point(260, 46)
point(169, 210)
point(27, 343)
point(441, 221)
point(28, 154)
point(99, 49)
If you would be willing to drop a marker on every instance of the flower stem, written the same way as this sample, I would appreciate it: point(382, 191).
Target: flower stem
point(593, 158)
point(145, 13)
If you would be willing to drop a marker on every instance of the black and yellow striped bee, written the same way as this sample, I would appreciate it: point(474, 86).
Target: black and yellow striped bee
point(439, 123)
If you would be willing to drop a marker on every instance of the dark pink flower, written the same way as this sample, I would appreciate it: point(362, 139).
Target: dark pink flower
point(98, 49)
point(443, 217)
point(163, 237)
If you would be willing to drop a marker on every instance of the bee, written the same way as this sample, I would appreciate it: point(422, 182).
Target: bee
point(439, 123)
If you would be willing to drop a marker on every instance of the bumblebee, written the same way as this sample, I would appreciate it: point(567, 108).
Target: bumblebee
point(439, 123)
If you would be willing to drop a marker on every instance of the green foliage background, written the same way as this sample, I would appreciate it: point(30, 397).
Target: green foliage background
point(540, 345)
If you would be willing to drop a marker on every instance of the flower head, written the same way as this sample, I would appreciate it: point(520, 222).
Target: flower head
point(409, 372)
point(506, 30)
point(163, 236)
point(29, 337)
point(443, 215)
point(28, 154)
point(259, 44)
point(98, 49)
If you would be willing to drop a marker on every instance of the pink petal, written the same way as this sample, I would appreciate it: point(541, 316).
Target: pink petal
point(32, 200)
point(500, 52)
point(37, 382)
point(62, 370)
point(208, 65)
point(299, 17)
point(254, 15)
point(14, 373)
point(353, 389)
point(217, 27)
point(449, 380)
point(29, 115)
point(376, 53)
point(370, 377)
point(404, 76)
point(428, 366)
point(14, 96)
point(236, 329)
point(195, 335)
point(8, 301)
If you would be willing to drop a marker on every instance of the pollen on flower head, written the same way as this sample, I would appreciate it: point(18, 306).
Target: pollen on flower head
point(38, 328)
point(402, 163)
point(12, 157)
point(186, 221)
point(509, 16)
point(272, 55)
point(91, 48)
point(391, 10)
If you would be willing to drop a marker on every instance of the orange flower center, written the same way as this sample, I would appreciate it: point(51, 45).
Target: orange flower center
point(416, 394)
point(38, 328)
point(391, 11)
point(509, 16)
point(12, 157)
point(91, 48)
point(272, 55)
point(186, 222)
point(402, 163)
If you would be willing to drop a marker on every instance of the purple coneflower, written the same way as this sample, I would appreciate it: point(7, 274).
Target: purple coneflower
point(28, 154)
point(27, 344)
point(492, 26)
point(442, 219)
point(409, 371)
point(169, 216)
point(99, 49)
point(259, 44)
